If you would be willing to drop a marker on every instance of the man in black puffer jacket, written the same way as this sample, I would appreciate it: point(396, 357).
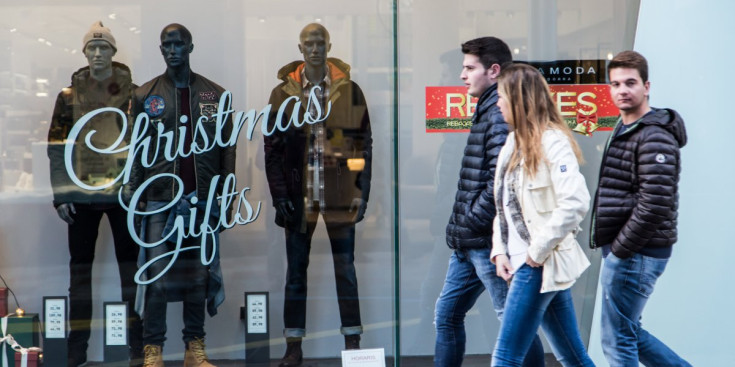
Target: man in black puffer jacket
point(469, 231)
point(635, 212)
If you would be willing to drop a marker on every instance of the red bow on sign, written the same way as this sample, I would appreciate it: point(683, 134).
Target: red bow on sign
point(586, 123)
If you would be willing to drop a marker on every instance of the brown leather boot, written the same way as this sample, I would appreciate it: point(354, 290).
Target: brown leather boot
point(293, 356)
point(195, 356)
point(152, 356)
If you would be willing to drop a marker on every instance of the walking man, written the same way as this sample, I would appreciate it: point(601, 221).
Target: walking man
point(469, 232)
point(635, 213)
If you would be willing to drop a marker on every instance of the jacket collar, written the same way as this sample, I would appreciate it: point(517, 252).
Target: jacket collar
point(339, 74)
point(488, 99)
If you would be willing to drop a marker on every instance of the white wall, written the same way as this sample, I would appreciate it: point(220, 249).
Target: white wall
point(689, 47)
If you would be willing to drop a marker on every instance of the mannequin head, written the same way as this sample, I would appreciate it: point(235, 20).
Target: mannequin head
point(314, 45)
point(176, 45)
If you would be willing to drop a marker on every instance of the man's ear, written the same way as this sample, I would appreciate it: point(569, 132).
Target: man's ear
point(191, 47)
point(494, 71)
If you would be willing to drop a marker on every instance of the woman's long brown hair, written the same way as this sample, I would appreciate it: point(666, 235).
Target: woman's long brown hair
point(532, 111)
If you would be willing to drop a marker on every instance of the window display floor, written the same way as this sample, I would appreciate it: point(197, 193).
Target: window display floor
point(470, 361)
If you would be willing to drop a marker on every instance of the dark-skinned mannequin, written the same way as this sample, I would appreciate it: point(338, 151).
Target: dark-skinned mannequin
point(180, 98)
point(321, 169)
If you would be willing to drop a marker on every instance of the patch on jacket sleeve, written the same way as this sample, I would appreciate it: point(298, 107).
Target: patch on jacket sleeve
point(563, 168)
point(154, 105)
point(660, 158)
point(208, 109)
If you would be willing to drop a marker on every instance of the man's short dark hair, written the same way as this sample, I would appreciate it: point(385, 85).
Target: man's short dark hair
point(490, 50)
point(185, 34)
point(630, 60)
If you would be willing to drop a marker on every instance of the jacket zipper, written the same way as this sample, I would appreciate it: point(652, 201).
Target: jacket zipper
point(190, 131)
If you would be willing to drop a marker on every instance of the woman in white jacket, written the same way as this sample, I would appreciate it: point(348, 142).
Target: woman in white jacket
point(541, 197)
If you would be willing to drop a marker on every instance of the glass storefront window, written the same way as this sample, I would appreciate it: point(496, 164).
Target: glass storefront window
point(375, 157)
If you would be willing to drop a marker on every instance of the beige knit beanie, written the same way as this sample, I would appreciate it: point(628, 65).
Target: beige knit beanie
point(99, 32)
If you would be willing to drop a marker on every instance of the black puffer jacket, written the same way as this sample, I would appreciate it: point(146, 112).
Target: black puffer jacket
point(637, 197)
point(470, 226)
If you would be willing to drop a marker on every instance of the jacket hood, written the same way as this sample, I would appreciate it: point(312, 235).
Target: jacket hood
point(118, 70)
point(338, 69)
point(669, 120)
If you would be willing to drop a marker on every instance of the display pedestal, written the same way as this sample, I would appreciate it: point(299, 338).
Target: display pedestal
point(54, 331)
point(116, 332)
point(257, 336)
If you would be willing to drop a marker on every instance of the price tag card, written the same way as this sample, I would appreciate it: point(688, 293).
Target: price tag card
point(55, 318)
point(257, 307)
point(115, 330)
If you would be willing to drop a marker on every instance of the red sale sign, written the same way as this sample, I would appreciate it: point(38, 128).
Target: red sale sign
point(585, 107)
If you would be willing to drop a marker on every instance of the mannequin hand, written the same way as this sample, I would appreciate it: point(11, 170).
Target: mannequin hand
point(285, 209)
point(531, 263)
point(503, 267)
point(65, 211)
point(361, 206)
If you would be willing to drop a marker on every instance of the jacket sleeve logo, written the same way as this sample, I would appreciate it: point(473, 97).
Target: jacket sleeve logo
point(154, 106)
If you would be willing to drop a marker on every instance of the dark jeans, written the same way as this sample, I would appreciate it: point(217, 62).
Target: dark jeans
point(82, 239)
point(298, 246)
point(186, 280)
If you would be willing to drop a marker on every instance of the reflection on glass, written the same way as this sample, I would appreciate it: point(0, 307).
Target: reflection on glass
point(102, 83)
point(175, 196)
point(322, 168)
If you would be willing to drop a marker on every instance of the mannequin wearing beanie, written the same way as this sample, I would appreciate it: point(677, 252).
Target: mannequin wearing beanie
point(102, 83)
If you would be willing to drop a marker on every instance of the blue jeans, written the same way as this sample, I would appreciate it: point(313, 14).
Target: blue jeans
point(527, 309)
point(470, 273)
point(298, 246)
point(186, 281)
point(626, 286)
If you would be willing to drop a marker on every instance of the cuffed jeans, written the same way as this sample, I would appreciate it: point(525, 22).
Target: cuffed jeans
point(525, 310)
point(191, 283)
point(298, 247)
point(626, 286)
point(82, 238)
point(469, 274)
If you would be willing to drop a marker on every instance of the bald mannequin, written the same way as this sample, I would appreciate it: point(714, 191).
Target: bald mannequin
point(309, 178)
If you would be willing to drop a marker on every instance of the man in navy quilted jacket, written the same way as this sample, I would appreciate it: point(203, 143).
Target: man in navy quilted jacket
point(469, 231)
